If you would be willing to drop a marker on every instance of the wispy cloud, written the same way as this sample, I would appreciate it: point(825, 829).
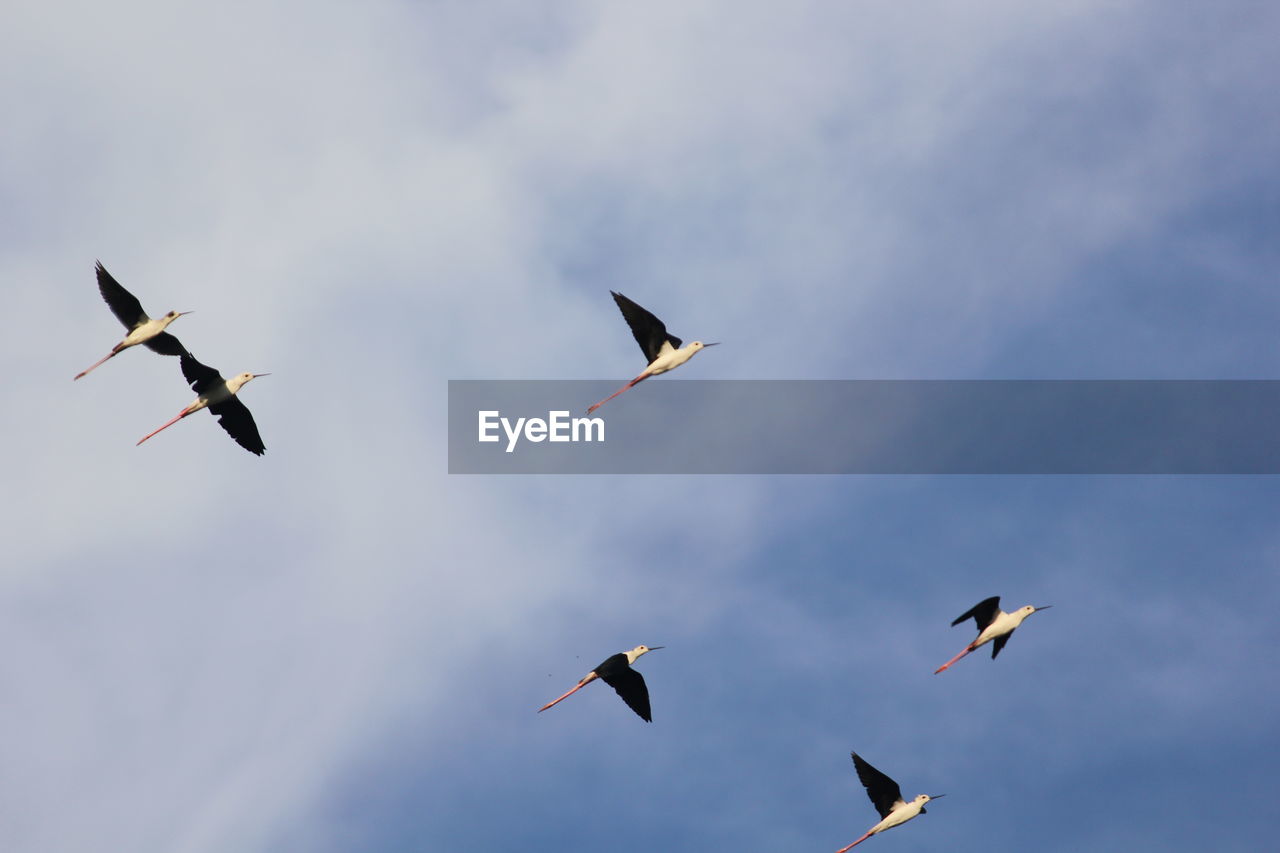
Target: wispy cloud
point(338, 646)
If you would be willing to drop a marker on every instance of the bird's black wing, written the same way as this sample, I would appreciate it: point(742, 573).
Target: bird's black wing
point(612, 664)
point(199, 376)
point(998, 643)
point(883, 791)
point(984, 612)
point(238, 422)
point(649, 331)
point(123, 304)
point(630, 685)
point(165, 344)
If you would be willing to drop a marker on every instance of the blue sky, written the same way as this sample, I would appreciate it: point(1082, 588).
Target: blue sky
point(340, 647)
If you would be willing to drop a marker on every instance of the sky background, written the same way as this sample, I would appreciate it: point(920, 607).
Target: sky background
point(339, 647)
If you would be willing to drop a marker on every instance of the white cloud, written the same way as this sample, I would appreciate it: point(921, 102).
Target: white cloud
point(369, 200)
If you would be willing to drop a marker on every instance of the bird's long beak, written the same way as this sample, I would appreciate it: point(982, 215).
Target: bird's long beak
point(936, 796)
point(716, 344)
point(1046, 607)
point(185, 313)
point(256, 375)
point(655, 648)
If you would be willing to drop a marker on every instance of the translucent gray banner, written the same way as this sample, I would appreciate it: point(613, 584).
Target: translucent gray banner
point(666, 426)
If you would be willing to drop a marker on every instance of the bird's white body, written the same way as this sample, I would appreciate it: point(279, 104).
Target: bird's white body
point(1004, 623)
point(219, 393)
point(902, 812)
point(148, 330)
point(669, 358)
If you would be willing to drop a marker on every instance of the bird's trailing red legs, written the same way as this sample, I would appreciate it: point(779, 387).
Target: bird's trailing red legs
point(856, 843)
point(993, 624)
point(663, 350)
point(590, 677)
point(187, 411)
point(142, 329)
point(632, 383)
point(616, 672)
point(948, 664)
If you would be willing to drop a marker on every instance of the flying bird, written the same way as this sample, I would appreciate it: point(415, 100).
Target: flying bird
point(616, 672)
point(661, 348)
point(993, 624)
point(886, 796)
point(142, 329)
point(218, 395)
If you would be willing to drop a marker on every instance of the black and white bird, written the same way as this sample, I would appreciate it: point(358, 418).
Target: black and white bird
point(142, 329)
point(993, 624)
point(661, 348)
point(616, 672)
point(218, 395)
point(886, 796)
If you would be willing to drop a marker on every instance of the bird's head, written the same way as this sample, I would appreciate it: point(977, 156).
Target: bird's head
point(697, 345)
point(173, 315)
point(924, 798)
point(1023, 612)
point(238, 382)
point(640, 650)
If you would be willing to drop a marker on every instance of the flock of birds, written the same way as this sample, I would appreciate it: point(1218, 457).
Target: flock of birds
point(214, 393)
point(664, 352)
point(994, 626)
